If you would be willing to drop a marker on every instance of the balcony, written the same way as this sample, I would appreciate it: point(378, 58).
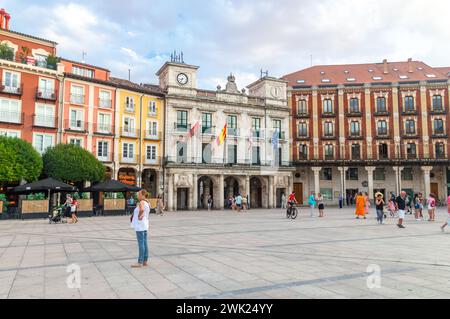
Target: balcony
point(302, 115)
point(129, 132)
point(411, 156)
point(151, 161)
point(382, 113)
point(154, 136)
point(410, 134)
point(438, 111)
point(11, 117)
point(303, 137)
point(77, 99)
point(31, 62)
point(208, 131)
point(104, 103)
point(328, 114)
point(109, 157)
point(44, 121)
point(355, 136)
point(409, 112)
point(440, 134)
point(181, 127)
point(353, 114)
point(232, 132)
point(14, 90)
point(302, 157)
point(258, 134)
point(104, 129)
point(127, 159)
point(130, 107)
point(46, 94)
point(329, 137)
point(75, 126)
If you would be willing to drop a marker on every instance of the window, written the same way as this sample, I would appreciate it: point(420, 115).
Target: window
point(102, 150)
point(105, 99)
point(438, 126)
point(11, 81)
point(410, 126)
point(351, 174)
point(152, 107)
point(328, 129)
point(327, 106)
point(129, 126)
point(45, 115)
point(411, 150)
point(356, 151)
point(256, 155)
point(383, 152)
point(152, 128)
point(381, 105)
point(303, 129)
point(326, 174)
point(303, 152)
point(277, 128)
point(77, 94)
point(327, 193)
point(10, 111)
point(42, 141)
point(181, 124)
point(407, 174)
point(379, 174)
point(302, 107)
point(129, 104)
point(409, 104)
point(8, 133)
point(128, 151)
point(440, 150)
point(83, 71)
point(329, 151)
point(46, 88)
point(355, 128)
point(41, 60)
point(150, 153)
point(76, 119)
point(437, 103)
point(232, 154)
point(232, 125)
point(104, 123)
point(76, 141)
point(256, 127)
point(354, 105)
point(382, 128)
point(206, 123)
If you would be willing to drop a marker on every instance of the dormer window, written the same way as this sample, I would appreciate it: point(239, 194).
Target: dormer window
point(377, 78)
point(83, 71)
point(301, 81)
point(403, 77)
point(326, 80)
point(351, 79)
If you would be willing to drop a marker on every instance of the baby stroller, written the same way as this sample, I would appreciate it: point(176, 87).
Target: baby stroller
point(57, 215)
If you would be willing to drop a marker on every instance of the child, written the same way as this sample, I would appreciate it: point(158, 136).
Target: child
point(391, 208)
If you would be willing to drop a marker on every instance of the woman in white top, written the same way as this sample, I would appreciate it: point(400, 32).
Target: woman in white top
point(139, 221)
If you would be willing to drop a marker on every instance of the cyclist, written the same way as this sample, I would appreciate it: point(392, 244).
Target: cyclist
point(290, 203)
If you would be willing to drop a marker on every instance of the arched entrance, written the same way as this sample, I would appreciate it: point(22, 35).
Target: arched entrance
point(231, 188)
point(127, 176)
point(256, 191)
point(108, 173)
point(149, 182)
point(205, 189)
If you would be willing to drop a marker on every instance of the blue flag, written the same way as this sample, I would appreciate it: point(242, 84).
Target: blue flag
point(275, 141)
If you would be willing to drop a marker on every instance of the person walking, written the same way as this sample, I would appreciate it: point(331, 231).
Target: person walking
point(379, 206)
point(160, 206)
point(360, 206)
point(421, 203)
point(431, 202)
point(239, 203)
point(416, 203)
point(283, 201)
point(312, 203)
point(140, 223)
point(209, 202)
point(367, 203)
point(320, 204)
point(341, 200)
point(244, 203)
point(401, 207)
point(68, 206)
point(74, 211)
point(448, 214)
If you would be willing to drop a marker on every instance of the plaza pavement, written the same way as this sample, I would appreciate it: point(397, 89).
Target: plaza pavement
point(258, 254)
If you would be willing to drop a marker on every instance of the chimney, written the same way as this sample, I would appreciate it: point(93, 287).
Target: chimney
point(385, 66)
point(7, 17)
point(410, 66)
point(2, 17)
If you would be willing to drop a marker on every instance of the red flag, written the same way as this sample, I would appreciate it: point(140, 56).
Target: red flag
point(194, 128)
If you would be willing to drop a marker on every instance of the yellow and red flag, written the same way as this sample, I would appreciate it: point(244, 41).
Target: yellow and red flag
point(222, 136)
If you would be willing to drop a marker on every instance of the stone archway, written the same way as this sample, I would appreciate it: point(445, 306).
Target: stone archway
point(256, 189)
point(231, 188)
point(149, 182)
point(205, 189)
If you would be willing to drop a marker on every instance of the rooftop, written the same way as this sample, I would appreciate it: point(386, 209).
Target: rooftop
point(142, 88)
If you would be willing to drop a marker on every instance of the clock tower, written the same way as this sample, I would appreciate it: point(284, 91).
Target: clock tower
point(178, 77)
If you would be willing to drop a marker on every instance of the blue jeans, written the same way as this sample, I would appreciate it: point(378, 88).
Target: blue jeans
point(143, 246)
point(380, 215)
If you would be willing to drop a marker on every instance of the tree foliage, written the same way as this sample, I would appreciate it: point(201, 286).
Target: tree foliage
point(18, 160)
point(71, 163)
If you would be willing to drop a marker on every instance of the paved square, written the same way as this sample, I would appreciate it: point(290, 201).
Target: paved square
point(258, 254)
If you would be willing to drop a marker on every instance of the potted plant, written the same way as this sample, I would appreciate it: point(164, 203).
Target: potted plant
point(24, 54)
point(52, 61)
point(6, 53)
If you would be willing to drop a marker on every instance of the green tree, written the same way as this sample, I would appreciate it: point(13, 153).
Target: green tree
point(71, 163)
point(18, 160)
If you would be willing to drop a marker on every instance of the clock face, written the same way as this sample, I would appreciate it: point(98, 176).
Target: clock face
point(182, 78)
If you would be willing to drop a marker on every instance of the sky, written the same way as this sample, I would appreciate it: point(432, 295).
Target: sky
point(237, 36)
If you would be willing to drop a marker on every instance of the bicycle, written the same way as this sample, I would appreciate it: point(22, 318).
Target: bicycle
point(292, 212)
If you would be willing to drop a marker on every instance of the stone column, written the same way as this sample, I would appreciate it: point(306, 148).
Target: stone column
point(370, 170)
point(343, 170)
point(426, 179)
point(398, 179)
point(316, 171)
point(271, 199)
point(194, 203)
point(170, 193)
point(221, 192)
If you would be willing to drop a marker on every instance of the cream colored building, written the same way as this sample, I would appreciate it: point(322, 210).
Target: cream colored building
point(253, 161)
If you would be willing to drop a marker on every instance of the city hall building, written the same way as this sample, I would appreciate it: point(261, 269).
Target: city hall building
point(224, 142)
point(370, 127)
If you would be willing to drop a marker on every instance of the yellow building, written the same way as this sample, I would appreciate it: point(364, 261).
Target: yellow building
point(139, 135)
